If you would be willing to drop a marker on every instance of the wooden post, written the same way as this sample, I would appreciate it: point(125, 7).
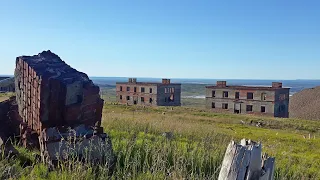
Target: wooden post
point(244, 162)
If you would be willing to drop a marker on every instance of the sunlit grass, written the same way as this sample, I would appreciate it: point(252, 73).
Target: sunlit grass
point(195, 151)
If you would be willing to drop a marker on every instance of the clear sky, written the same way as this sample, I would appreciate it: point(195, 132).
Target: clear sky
point(250, 39)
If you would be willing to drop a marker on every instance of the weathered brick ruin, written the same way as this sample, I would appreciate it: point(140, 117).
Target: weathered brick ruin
point(149, 93)
point(270, 100)
point(55, 101)
point(51, 93)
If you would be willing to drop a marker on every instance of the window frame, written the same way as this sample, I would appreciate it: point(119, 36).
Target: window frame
point(225, 94)
point(237, 95)
point(213, 93)
point(247, 109)
point(263, 96)
point(248, 95)
point(225, 106)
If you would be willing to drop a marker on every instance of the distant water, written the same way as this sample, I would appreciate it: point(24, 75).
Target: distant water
point(295, 85)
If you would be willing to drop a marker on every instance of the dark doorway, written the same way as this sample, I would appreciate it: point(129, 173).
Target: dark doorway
point(237, 108)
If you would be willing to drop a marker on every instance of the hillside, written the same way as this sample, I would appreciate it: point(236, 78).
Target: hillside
point(305, 104)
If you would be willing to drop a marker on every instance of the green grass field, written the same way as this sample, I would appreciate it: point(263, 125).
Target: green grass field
point(195, 151)
point(5, 96)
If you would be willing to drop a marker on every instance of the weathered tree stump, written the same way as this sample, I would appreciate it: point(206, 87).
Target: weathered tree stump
point(244, 161)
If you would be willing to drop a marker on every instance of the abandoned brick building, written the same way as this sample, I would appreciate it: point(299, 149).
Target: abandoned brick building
point(271, 101)
point(150, 94)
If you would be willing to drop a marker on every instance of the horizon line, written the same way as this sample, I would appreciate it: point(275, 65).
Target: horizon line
point(145, 77)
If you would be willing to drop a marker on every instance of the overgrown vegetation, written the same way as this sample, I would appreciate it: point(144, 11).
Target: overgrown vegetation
point(160, 143)
point(5, 96)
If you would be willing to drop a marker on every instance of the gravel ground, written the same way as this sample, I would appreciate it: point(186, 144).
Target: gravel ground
point(306, 104)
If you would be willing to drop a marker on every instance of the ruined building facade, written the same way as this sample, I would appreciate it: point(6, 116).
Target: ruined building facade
point(271, 101)
point(149, 94)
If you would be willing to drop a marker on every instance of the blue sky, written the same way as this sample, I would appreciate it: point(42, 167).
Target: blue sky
point(247, 39)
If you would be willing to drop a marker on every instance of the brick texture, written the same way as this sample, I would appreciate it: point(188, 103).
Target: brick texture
point(50, 93)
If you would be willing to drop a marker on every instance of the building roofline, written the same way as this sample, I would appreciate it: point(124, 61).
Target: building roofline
point(269, 88)
point(147, 83)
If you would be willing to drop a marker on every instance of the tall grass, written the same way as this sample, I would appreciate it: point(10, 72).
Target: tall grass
point(194, 151)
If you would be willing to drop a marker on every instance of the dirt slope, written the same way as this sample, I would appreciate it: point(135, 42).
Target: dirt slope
point(306, 104)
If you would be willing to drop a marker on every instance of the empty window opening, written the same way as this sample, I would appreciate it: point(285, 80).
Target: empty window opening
point(120, 88)
point(237, 95)
point(142, 99)
point(150, 100)
point(142, 89)
point(263, 109)
point(150, 90)
point(263, 96)
point(121, 97)
point(225, 94)
point(134, 102)
point(213, 93)
point(135, 89)
point(128, 89)
point(249, 108)
point(213, 105)
point(171, 98)
point(168, 90)
point(128, 98)
point(224, 105)
point(249, 95)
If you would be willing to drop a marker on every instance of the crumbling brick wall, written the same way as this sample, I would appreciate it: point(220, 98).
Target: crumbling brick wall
point(51, 93)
